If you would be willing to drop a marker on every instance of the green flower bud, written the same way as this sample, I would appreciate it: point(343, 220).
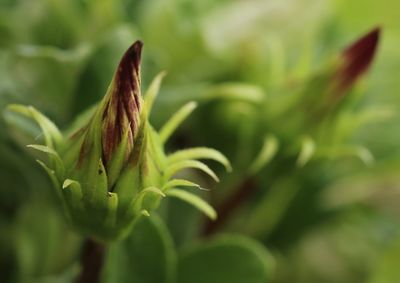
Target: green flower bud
point(113, 169)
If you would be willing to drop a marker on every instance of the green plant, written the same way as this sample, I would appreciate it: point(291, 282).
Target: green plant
point(111, 168)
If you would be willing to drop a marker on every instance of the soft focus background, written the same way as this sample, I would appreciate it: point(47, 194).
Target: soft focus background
point(305, 203)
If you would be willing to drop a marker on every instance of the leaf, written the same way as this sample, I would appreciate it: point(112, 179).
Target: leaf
point(236, 91)
point(306, 152)
point(194, 200)
point(59, 165)
point(200, 153)
point(357, 151)
point(40, 228)
point(50, 131)
point(228, 259)
point(387, 268)
point(178, 166)
point(152, 91)
point(267, 213)
point(267, 152)
point(174, 122)
point(178, 183)
point(52, 176)
point(73, 186)
point(146, 256)
point(112, 201)
point(137, 203)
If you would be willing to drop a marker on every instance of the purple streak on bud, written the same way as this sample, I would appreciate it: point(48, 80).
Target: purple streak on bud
point(122, 112)
point(356, 60)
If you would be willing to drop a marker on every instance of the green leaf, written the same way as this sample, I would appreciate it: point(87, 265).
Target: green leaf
point(50, 131)
point(342, 151)
point(152, 91)
point(51, 174)
point(112, 201)
point(57, 162)
point(137, 203)
point(229, 259)
point(267, 152)
point(267, 213)
point(194, 200)
point(75, 188)
point(170, 126)
point(146, 256)
point(41, 236)
point(200, 153)
point(236, 91)
point(387, 268)
point(179, 183)
point(307, 151)
point(178, 166)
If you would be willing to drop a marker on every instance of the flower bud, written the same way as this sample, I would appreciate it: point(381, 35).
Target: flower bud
point(320, 98)
point(107, 153)
point(356, 60)
point(113, 168)
point(123, 105)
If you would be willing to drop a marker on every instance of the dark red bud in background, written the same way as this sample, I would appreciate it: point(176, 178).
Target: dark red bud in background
point(356, 60)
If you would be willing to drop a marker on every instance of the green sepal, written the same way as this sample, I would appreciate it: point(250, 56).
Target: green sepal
point(53, 137)
point(54, 158)
point(194, 200)
point(52, 176)
point(200, 153)
point(173, 123)
point(127, 187)
point(179, 183)
point(116, 163)
point(95, 189)
point(112, 207)
point(139, 203)
point(185, 164)
point(72, 192)
point(152, 92)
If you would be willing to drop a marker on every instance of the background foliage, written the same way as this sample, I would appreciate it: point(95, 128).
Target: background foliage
point(301, 205)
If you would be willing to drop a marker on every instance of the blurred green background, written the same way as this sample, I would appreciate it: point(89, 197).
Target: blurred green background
point(305, 203)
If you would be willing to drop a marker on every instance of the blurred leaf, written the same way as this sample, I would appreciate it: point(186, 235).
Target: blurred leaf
point(236, 91)
point(387, 268)
point(200, 153)
point(194, 200)
point(266, 154)
point(173, 123)
point(271, 208)
point(41, 229)
point(228, 259)
point(307, 151)
point(146, 256)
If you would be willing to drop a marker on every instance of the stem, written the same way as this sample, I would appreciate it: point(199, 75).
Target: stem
point(227, 208)
point(92, 260)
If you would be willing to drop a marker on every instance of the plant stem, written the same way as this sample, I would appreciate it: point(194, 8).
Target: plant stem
point(92, 260)
point(227, 208)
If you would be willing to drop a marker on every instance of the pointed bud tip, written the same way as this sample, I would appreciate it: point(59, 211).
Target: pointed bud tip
point(130, 62)
point(122, 112)
point(357, 58)
point(133, 54)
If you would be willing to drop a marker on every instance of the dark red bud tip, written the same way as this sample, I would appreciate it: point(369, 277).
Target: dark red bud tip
point(129, 66)
point(131, 58)
point(122, 112)
point(357, 59)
